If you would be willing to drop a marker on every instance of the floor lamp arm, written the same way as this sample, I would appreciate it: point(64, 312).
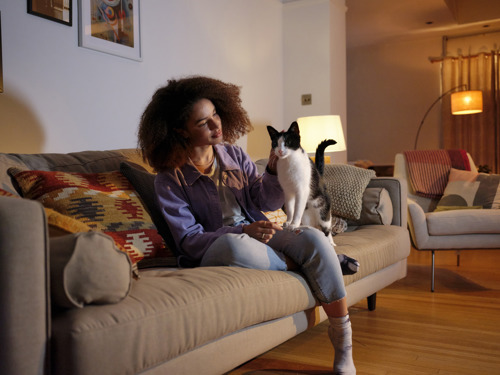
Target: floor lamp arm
point(429, 109)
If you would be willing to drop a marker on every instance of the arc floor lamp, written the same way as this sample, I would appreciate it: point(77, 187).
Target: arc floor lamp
point(463, 102)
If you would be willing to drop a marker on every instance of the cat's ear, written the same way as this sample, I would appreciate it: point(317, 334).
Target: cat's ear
point(272, 131)
point(294, 128)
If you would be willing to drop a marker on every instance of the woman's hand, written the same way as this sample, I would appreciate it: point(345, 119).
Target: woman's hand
point(271, 164)
point(261, 230)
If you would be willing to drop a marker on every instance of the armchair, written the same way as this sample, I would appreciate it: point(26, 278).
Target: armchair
point(464, 229)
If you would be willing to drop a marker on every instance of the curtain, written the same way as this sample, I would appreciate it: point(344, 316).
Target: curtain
point(479, 133)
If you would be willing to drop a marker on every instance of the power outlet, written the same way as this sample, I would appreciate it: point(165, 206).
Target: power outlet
point(306, 99)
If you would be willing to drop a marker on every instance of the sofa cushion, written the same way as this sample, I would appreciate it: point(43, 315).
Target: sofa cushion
point(8, 161)
point(374, 246)
point(466, 190)
point(81, 161)
point(345, 185)
point(454, 222)
point(172, 312)
point(87, 268)
point(105, 202)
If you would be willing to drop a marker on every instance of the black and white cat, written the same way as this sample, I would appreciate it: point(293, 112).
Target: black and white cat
point(306, 199)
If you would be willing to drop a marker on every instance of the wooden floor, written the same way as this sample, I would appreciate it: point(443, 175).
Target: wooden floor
point(455, 330)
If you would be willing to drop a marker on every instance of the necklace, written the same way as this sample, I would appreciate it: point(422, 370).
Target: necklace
point(205, 164)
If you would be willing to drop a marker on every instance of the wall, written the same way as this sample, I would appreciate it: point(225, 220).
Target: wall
point(315, 61)
point(59, 97)
point(389, 88)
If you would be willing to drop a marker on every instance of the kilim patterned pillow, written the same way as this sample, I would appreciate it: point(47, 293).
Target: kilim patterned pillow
point(58, 224)
point(6, 193)
point(105, 202)
point(143, 183)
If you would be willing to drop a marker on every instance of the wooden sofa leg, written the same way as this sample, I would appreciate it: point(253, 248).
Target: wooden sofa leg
point(372, 301)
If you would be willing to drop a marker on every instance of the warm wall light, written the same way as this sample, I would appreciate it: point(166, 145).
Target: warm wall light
point(462, 103)
point(315, 129)
point(466, 102)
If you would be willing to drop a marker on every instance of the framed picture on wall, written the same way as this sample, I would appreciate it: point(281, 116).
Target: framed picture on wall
point(111, 26)
point(55, 10)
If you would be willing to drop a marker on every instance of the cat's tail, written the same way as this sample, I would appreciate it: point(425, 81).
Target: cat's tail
point(320, 154)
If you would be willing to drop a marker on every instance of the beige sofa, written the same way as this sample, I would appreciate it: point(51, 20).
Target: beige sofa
point(170, 321)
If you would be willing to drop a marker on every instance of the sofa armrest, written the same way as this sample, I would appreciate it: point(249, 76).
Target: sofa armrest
point(397, 191)
point(417, 224)
point(24, 287)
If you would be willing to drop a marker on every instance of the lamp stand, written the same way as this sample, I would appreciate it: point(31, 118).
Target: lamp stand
point(432, 105)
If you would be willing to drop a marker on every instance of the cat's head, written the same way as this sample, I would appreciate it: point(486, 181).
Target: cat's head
point(284, 143)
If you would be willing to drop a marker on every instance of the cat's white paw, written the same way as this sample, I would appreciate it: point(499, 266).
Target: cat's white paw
point(330, 238)
point(293, 226)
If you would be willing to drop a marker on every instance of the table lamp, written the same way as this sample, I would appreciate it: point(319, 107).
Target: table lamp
point(315, 129)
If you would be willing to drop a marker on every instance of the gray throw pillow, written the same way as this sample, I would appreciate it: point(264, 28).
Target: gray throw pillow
point(376, 208)
point(346, 185)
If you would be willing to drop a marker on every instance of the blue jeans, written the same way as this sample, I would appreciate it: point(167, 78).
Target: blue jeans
point(309, 249)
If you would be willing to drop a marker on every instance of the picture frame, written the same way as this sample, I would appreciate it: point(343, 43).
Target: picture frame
point(54, 10)
point(111, 26)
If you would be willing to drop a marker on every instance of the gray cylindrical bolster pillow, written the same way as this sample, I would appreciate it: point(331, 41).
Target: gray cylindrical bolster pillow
point(88, 268)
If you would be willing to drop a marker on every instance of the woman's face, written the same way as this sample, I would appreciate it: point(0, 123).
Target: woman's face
point(203, 128)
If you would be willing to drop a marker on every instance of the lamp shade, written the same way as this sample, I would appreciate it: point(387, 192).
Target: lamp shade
point(466, 102)
point(315, 129)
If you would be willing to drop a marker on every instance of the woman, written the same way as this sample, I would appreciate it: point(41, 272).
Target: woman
point(212, 197)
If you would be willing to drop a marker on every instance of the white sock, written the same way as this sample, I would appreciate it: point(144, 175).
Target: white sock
point(341, 336)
